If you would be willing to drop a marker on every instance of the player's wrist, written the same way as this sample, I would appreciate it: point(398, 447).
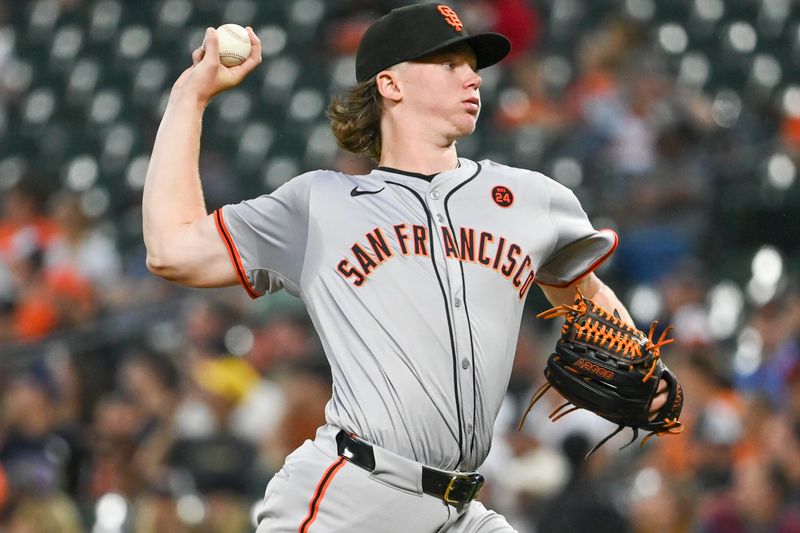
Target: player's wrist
point(189, 99)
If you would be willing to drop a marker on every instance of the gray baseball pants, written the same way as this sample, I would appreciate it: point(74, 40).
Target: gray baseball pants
point(318, 491)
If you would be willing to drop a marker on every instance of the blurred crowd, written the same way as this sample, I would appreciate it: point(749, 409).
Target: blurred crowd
point(131, 405)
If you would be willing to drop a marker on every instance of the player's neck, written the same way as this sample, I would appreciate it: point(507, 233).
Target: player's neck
point(417, 154)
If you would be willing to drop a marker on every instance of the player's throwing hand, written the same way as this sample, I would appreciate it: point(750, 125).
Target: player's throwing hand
point(207, 76)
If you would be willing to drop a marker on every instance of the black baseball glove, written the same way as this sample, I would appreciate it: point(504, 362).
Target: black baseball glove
point(610, 368)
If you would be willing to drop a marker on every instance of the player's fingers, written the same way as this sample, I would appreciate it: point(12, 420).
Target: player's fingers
point(197, 55)
point(211, 46)
point(660, 399)
point(252, 60)
point(255, 42)
point(658, 402)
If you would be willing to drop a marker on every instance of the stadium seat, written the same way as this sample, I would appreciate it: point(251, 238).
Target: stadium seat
point(133, 43)
point(66, 45)
point(304, 17)
point(277, 170)
point(107, 104)
point(82, 81)
point(703, 20)
point(242, 12)
point(772, 18)
point(16, 76)
point(12, 168)
point(172, 16)
point(81, 173)
point(306, 104)
point(39, 106)
point(321, 146)
point(148, 80)
point(43, 19)
point(279, 78)
point(104, 19)
point(765, 74)
point(254, 145)
point(273, 39)
point(233, 108)
point(116, 148)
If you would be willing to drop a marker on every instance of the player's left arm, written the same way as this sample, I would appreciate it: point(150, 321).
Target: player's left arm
point(593, 288)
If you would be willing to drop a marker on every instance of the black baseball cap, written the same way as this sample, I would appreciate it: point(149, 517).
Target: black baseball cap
point(414, 31)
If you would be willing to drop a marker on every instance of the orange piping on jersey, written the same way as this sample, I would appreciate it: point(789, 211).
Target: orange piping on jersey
point(319, 494)
point(233, 252)
point(591, 268)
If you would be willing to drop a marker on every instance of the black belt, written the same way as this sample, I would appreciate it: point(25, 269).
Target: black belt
point(454, 488)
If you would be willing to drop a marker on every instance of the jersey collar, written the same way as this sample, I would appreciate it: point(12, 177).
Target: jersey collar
point(464, 170)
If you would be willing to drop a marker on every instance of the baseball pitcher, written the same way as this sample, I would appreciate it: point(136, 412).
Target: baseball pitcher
point(414, 275)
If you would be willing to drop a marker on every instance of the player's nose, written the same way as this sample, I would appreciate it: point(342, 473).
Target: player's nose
point(473, 80)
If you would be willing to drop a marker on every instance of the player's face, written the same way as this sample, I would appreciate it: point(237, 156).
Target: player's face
point(442, 90)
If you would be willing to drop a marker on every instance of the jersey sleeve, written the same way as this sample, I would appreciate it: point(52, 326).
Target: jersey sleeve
point(578, 248)
point(266, 237)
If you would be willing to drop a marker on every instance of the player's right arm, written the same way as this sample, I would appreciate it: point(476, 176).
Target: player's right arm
point(182, 241)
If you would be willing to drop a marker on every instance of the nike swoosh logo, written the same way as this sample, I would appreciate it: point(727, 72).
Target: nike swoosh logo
point(356, 192)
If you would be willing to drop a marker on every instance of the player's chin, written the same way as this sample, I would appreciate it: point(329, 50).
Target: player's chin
point(467, 124)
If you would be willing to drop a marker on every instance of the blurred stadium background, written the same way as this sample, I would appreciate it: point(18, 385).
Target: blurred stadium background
point(130, 405)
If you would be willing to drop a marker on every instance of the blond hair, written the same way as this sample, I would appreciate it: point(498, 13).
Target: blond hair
point(355, 118)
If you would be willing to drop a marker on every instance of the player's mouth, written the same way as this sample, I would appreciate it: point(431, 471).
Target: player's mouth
point(473, 105)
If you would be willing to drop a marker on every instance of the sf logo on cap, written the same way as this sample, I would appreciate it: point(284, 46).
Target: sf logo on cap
point(451, 17)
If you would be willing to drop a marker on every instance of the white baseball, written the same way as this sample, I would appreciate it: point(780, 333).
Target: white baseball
point(234, 44)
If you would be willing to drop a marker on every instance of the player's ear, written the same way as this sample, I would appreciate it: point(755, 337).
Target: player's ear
point(389, 85)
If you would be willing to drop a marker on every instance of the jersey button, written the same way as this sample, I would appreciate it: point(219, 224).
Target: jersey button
point(469, 429)
point(440, 218)
point(435, 194)
point(465, 363)
point(457, 302)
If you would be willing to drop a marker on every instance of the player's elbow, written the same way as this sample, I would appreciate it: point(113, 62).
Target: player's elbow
point(160, 265)
point(156, 264)
point(192, 257)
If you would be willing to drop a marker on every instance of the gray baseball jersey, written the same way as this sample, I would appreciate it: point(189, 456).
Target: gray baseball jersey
point(416, 289)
